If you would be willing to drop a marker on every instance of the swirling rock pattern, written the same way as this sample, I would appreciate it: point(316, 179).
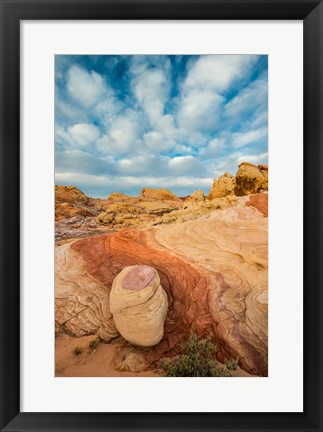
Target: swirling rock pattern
point(139, 304)
point(214, 270)
point(81, 302)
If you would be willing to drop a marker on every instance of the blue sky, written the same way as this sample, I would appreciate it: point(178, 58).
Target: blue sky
point(127, 122)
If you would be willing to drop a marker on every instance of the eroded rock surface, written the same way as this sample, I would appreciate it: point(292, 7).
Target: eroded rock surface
point(157, 194)
point(222, 187)
point(139, 304)
point(214, 270)
point(79, 216)
point(251, 179)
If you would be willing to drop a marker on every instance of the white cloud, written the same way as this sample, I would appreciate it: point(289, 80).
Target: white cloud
point(150, 86)
point(139, 134)
point(214, 147)
point(123, 134)
point(226, 141)
point(150, 89)
point(155, 141)
point(218, 72)
point(250, 137)
point(83, 134)
point(251, 98)
point(104, 144)
point(85, 87)
point(199, 110)
point(67, 112)
point(201, 101)
point(255, 159)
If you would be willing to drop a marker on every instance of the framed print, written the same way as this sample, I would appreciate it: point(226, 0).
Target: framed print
point(161, 215)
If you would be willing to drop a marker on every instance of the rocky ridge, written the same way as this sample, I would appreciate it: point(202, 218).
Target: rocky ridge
point(79, 216)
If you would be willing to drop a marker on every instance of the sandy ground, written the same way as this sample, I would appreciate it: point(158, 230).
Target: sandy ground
point(98, 363)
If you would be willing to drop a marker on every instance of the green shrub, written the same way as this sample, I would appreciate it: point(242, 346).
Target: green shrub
point(197, 359)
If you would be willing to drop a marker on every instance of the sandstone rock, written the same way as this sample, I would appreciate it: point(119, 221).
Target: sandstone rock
point(197, 196)
point(157, 194)
point(260, 202)
point(133, 362)
point(118, 196)
point(251, 179)
point(81, 303)
point(116, 213)
point(70, 194)
point(263, 169)
point(67, 210)
point(138, 304)
point(214, 270)
point(71, 202)
point(222, 187)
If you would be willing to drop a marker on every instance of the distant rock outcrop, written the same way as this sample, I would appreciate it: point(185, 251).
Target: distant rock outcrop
point(71, 202)
point(138, 304)
point(197, 196)
point(78, 216)
point(251, 179)
point(222, 187)
point(118, 213)
point(118, 196)
point(70, 194)
point(157, 194)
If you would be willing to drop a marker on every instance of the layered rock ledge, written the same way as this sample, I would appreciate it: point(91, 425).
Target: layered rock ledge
point(214, 270)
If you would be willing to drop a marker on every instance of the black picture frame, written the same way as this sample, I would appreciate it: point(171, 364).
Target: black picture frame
point(12, 12)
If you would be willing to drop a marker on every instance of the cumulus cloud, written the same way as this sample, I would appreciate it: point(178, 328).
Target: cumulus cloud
point(123, 133)
point(218, 72)
point(126, 122)
point(83, 134)
point(151, 88)
point(251, 99)
point(86, 87)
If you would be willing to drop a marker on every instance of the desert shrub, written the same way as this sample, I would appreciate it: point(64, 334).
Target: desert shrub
point(93, 344)
point(232, 365)
point(197, 359)
point(77, 351)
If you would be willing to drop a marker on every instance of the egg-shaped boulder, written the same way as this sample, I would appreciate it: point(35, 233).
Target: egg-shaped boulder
point(139, 305)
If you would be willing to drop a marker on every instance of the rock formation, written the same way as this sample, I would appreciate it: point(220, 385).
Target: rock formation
point(118, 196)
point(119, 212)
point(70, 194)
point(251, 179)
point(71, 202)
point(197, 196)
point(213, 269)
point(222, 187)
point(157, 194)
point(138, 304)
point(78, 216)
point(81, 301)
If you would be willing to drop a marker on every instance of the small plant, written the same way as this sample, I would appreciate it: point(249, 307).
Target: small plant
point(197, 359)
point(218, 207)
point(77, 351)
point(232, 365)
point(93, 344)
